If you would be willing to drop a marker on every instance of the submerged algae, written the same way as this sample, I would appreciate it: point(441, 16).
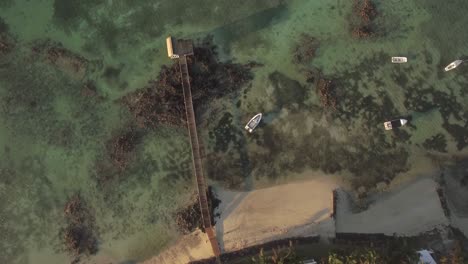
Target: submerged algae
point(124, 35)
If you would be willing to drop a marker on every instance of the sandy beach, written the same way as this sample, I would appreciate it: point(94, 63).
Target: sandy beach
point(294, 209)
point(304, 209)
point(259, 216)
point(191, 247)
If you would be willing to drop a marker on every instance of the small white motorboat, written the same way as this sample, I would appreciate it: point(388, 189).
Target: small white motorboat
point(389, 125)
point(253, 123)
point(453, 65)
point(399, 59)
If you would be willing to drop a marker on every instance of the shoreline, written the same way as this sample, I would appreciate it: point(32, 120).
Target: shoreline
point(303, 210)
point(269, 223)
point(296, 209)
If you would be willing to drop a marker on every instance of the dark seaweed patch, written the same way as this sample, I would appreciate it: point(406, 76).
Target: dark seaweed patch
point(228, 161)
point(460, 133)
point(400, 77)
point(189, 218)
point(417, 100)
point(177, 164)
point(111, 73)
point(437, 143)
point(424, 99)
point(287, 91)
point(224, 133)
point(370, 159)
point(80, 235)
point(68, 13)
point(427, 57)
point(162, 102)
point(3, 26)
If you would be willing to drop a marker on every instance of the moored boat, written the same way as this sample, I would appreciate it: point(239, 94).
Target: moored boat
point(399, 59)
point(253, 122)
point(389, 125)
point(453, 65)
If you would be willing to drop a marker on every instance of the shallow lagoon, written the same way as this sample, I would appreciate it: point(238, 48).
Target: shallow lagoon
point(51, 135)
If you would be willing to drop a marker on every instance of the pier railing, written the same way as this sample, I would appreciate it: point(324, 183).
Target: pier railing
point(196, 157)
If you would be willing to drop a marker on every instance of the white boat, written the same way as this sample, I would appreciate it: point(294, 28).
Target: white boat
point(253, 123)
point(399, 59)
point(426, 257)
point(453, 65)
point(389, 125)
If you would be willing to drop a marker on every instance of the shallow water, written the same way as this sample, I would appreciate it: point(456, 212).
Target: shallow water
point(51, 136)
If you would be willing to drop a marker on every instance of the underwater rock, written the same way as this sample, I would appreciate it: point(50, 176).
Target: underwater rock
point(459, 133)
point(5, 45)
point(312, 75)
point(162, 102)
point(305, 49)
point(156, 105)
point(6, 41)
point(55, 54)
point(189, 218)
point(326, 91)
point(121, 147)
point(89, 89)
point(437, 143)
point(288, 92)
point(362, 32)
point(366, 12)
point(119, 154)
point(80, 234)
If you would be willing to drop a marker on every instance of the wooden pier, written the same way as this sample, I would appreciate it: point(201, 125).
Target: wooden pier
point(185, 49)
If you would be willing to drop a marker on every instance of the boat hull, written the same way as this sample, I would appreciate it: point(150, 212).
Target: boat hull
point(453, 65)
point(253, 122)
point(389, 125)
point(399, 59)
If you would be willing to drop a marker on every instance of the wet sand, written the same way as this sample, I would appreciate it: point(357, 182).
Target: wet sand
point(191, 247)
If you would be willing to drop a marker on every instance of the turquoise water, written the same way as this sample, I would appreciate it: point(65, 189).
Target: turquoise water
point(52, 137)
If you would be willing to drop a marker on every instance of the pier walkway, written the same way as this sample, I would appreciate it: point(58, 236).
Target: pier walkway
point(196, 158)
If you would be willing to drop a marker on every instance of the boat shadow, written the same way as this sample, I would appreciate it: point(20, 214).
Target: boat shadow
point(231, 203)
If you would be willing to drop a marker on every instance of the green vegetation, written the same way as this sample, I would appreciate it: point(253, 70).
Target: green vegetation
point(279, 256)
point(392, 253)
point(372, 256)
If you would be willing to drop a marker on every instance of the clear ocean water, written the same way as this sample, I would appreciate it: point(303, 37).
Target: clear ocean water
point(51, 136)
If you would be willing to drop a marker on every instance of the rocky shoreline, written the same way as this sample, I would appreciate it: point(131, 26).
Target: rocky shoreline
point(188, 218)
